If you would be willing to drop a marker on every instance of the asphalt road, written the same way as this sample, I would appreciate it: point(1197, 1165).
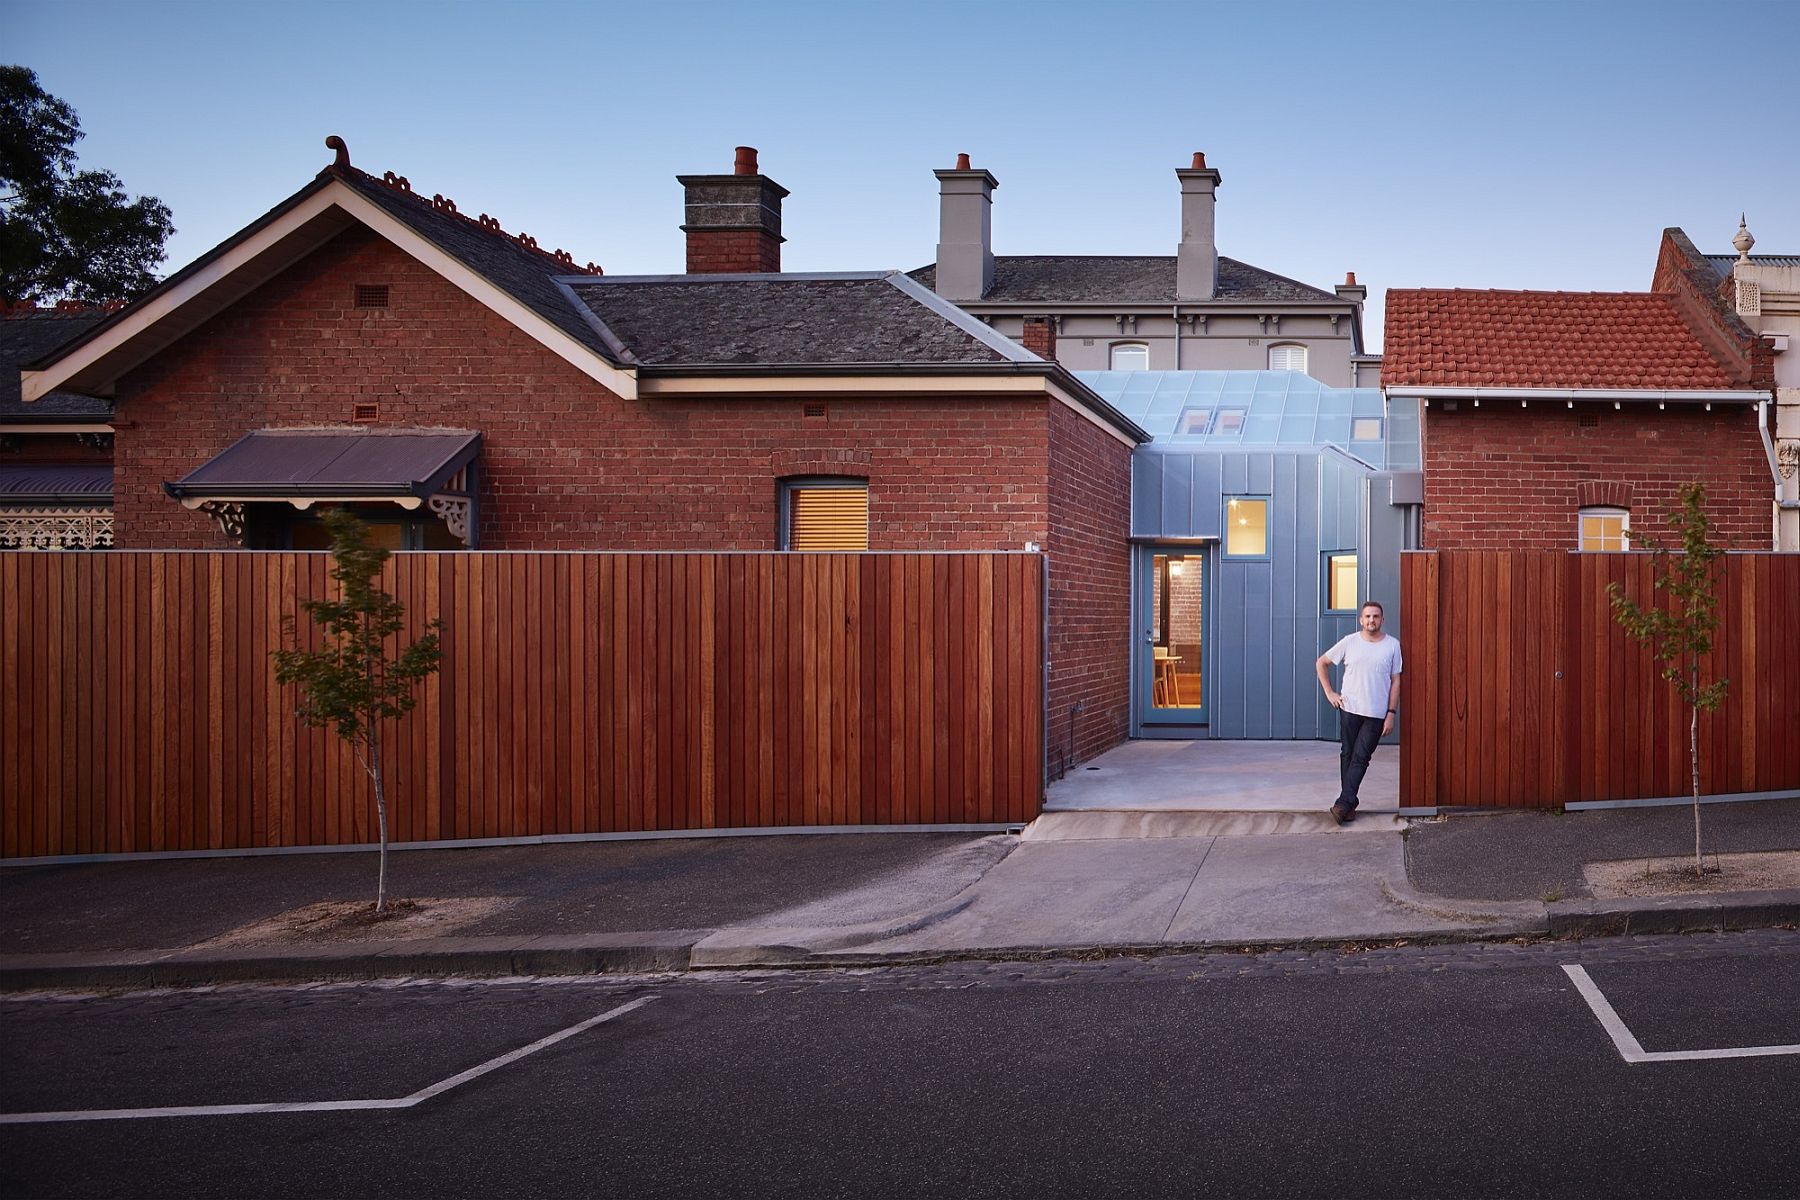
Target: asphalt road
point(1413, 1071)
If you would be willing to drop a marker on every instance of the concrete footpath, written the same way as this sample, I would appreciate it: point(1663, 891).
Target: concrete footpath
point(1075, 883)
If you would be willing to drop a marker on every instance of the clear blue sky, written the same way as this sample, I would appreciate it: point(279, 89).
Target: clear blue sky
point(1541, 145)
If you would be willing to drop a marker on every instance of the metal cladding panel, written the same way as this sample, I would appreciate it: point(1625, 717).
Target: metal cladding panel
point(1146, 495)
point(1178, 491)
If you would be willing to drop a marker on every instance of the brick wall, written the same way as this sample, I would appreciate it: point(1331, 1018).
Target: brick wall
point(565, 464)
point(1090, 586)
point(1500, 478)
point(731, 252)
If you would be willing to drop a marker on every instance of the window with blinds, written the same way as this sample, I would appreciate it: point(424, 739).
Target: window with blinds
point(1287, 358)
point(827, 516)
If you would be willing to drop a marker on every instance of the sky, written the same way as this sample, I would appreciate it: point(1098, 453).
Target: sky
point(1449, 144)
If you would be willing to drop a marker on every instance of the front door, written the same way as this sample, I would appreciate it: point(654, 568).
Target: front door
point(1173, 587)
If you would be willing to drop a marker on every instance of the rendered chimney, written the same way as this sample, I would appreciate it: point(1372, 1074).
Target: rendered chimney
point(733, 223)
point(965, 253)
point(1351, 290)
point(1197, 258)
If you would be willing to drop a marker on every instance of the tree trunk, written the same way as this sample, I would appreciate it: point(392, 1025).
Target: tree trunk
point(380, 816)
point(1694, 763)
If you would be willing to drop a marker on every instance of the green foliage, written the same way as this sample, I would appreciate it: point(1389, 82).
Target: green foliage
point(66, 234)
point(1681, 632)
point(349, 683)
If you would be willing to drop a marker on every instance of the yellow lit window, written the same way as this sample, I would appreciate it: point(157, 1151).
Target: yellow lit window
point(827, 516)
point(1340, 582)
point(1604, 529)
point(1246, 527)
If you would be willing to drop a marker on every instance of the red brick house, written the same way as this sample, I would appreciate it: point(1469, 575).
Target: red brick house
point(1555, 420)
point(362, 344)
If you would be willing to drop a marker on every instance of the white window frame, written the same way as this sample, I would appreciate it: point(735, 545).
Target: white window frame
point(1112, 355)
point(1287, 347)
point(1597, 511)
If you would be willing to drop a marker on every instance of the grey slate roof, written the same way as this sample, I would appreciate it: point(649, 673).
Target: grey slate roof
point(527, 275)
point(27, 336)
point(1126, 279)
point(767, 320)
point(333, 462)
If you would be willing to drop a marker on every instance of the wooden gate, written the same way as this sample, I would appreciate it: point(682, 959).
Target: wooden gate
point(579, 693)
point(1520, 690)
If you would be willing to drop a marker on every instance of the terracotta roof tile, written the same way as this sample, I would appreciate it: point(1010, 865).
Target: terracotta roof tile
point(1457, 338)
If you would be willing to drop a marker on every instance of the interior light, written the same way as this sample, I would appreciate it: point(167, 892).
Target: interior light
point(1175, 567)
point(1243, 520)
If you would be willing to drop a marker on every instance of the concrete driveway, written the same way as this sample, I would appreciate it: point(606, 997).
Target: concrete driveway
point(1221, 776)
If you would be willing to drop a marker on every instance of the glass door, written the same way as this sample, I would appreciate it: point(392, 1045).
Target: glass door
point(1174, 587)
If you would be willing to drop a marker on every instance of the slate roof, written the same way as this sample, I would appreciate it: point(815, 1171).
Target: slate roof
point(1127, 279)
point(26, 336)
point(1624, 340)
point(796, 320)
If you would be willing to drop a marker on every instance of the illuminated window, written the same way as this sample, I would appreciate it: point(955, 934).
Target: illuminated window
point(1131, 356)
point(1231, 420)
point(1247, 527)
point(1366, 429)
point(1287, 358)
point(1604, 529)
point(825, 514)
point(1340, 581)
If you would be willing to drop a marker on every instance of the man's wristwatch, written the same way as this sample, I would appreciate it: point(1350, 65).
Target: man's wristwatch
point(1393, 712)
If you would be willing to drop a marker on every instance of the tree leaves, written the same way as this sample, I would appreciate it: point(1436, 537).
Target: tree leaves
point(1680, 632)
point(66, 234)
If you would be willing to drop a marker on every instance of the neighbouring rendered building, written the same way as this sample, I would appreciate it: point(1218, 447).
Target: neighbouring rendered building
point(1763, 292)
point(1194, 310)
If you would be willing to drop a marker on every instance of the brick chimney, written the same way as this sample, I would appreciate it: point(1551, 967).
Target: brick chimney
point(733, 223)
point(965, 253)
point(1039, 337)
point(1197, 258)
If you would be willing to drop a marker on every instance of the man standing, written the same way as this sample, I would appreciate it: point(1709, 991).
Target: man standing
point(1366, 706)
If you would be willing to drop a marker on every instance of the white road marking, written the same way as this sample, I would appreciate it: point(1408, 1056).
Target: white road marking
point(238, 1110)
point(1627, 1044)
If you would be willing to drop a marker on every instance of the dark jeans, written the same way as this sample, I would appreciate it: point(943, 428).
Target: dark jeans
point(1358, 736)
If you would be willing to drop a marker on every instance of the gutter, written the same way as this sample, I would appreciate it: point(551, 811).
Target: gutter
point(1051, 372)
point(1591, 395)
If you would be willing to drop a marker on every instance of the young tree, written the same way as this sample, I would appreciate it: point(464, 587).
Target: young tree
point(350, 683)
point(1680, 633)
point(66, 234)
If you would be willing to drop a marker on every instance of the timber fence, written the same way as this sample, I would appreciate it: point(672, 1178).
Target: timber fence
point(579, 693)
point(1520, 690)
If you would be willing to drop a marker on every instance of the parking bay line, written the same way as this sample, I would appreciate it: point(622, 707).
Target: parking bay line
point(238, 1110)
point(1627, 1044)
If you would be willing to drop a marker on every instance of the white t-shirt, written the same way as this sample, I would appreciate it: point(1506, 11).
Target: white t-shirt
point(1369, 669)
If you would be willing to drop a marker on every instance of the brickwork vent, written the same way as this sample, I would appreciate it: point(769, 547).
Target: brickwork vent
point(1589, 421)
point(365, 412)
point(813, 411)
point(371, 295)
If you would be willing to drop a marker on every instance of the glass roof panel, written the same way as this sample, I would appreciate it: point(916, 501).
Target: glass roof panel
point(1278, 408)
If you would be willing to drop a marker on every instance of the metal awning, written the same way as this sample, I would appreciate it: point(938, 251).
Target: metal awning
point(56, 483)
point(304, 466)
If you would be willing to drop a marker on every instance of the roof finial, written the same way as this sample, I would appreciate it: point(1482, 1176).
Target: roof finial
point(1743, 241)
point(334, 142)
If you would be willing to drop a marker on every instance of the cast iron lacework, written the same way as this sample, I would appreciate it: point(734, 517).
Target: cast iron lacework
point(56, 528)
